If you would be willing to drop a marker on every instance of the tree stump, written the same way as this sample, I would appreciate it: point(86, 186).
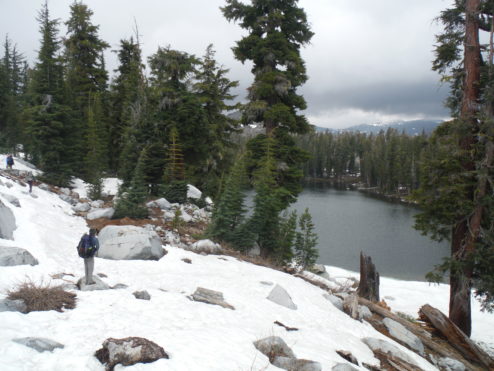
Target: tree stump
point(368, 287)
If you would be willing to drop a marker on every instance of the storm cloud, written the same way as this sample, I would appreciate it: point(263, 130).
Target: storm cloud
point(369, 61)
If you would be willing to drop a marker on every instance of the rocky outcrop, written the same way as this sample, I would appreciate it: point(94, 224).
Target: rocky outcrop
point(281, 297)
point(10, 256)
point(7, 222)
point(129, 242)
point(81, 207)
point(210, 297)
point(129, 351)
point(39, 344)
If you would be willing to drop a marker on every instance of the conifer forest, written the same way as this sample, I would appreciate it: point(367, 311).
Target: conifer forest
point(165, 120)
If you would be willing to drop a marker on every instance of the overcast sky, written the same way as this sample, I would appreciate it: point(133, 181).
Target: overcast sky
point(369, 61)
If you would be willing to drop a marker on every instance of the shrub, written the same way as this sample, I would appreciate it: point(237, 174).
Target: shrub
point(40, 297)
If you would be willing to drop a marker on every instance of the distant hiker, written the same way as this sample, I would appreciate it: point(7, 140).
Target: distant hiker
point(10, 161)
point(88, 247)
point(30, 181)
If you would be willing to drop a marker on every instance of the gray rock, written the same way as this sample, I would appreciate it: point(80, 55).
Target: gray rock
point(290, 364)
point(39, 344)
point(44, 187)
point(193, 192)
point(129, 242)
point(388, 348)
point(450, 364)
point(400, 333)
point(143, 295)
point(119, 286)
point(254, 250)
point(343, 367)
point(206, 246)
point(12, 199)
point(10, 256)
point(101, 213)
point(65, 191)
point(98, 285)
point(281, 297)
point(320, 270)
point(129, 351)
point(274, 346)
point(211, 297)
point(7, 222)
point(97, 204)
point(67, 199)
point(364, 312)
point(336, 301)
point(81, 207)
point(7, 305)
point(162, 203)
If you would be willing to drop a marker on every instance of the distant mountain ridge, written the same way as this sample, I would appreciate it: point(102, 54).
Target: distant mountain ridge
point(412, 127)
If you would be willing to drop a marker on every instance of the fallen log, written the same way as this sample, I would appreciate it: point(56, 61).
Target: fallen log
point(443, 350)
point(455, 336)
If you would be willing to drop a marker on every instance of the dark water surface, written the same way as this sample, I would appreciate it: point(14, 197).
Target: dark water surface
point(348, 222)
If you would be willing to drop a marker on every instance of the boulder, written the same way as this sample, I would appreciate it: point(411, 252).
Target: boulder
point(254, 250)
point(101, 213)
point(128, 242)
point(39, 344)
point(400, 333)
point(65, 191)
point(7, 305)
point(119, 286)
point(81, 207)
point(12, 199)
point(290, 364)
point(206, 246)
point(208, 200)
point(162, 203)
point(336, 301)
point(7, 222)
point(44, 187)
point(143, 295)
point(185, 216)
point(10, 256)
point(129, 351)
point(364, 312)
point(274, 346)
point(97, 204)
point(193, 192)
point(68, 199)
point(320, 270)
point(211, 297)
point(98, 285)
point(281, 297)
point(201, 215)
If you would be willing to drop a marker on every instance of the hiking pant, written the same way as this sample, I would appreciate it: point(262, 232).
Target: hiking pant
point(30, 182)
point(89, 267)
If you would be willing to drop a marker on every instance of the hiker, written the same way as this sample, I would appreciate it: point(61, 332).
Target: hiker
point(10, 162)
point(87, 248)
point(30, 181)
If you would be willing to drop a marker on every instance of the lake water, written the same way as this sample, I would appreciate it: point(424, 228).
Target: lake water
point(348, 222)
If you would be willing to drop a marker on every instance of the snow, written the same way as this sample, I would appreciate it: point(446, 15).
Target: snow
point(197, 336)
point(110, 186)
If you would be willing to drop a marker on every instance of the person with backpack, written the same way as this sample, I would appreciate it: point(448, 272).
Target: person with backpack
point(88, 247)
point(10, 162)
point(30, 181)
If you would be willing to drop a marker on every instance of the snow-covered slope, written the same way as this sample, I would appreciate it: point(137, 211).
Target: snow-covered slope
point(197, 336)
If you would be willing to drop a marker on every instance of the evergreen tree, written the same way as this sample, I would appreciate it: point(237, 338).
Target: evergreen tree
point(213, 89)
point(85, 76)
point(306, 253)
point(456, 189)
point(132, 198)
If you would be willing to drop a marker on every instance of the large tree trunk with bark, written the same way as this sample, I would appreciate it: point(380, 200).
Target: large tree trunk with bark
point(368, 287)
point(464, 232)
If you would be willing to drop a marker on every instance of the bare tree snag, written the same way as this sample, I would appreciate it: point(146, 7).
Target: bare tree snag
point(368, 287)
point(455, 336)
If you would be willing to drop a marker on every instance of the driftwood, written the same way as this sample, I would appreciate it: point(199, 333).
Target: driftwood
point(443, 349)
point(455, 336)
point(285, 326)
point(368, 287)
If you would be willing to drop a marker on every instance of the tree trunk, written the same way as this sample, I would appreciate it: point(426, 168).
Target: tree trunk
point(464, 232)
point(368, 287)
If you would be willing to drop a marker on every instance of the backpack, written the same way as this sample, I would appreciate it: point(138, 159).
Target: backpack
point(86, 247)
point(10, 160)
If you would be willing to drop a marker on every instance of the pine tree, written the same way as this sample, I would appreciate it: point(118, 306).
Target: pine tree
point(306, 253)
point(132, 198)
